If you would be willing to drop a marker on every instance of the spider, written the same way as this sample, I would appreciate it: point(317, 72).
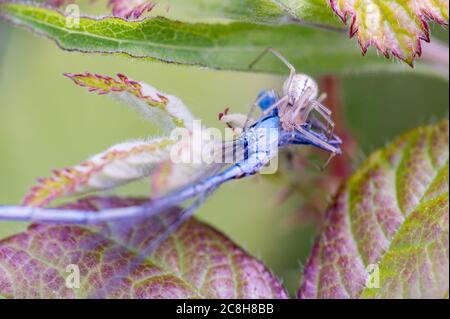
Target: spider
point(299, 98)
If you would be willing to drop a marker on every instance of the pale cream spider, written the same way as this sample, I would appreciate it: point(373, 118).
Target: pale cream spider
point(299, 98)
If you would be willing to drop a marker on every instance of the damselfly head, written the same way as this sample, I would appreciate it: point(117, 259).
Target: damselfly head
point(267, 98)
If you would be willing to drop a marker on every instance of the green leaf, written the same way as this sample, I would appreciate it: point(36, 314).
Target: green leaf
point(196, 261)
point(308, 12)
point(394, 27)
point(390, 218)
point(224, 46)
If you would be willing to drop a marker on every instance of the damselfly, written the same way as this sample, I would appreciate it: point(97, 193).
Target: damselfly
point(289, 116)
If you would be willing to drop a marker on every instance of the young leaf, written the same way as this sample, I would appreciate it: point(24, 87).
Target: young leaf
point(225, 46)
point(120, 164)
point(130, 8)
point(390, 218)
point(395, 26)
point(196, 261)
point(126, 9)
point(167, 111)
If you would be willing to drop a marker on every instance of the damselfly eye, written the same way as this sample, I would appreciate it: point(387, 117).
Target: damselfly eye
point(266, 99)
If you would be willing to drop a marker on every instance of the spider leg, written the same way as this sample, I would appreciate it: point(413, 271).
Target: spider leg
point(322, 107)
point(280, 103)
point(289, 80)
point(332, 154)
point(322, 97)
point(316, 140)
point(322, 143)
point(277, 54)
point(318, 124)
point(301, 105)
point(331, 132)
point(250, 112)
point(324, 112)
point(281, 58)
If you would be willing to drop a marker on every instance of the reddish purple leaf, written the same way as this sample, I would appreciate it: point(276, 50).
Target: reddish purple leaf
point(196, 261)
point(391, 217)
point(59, 3)
point(395, 27)
point(131, 8)
point(126, 9)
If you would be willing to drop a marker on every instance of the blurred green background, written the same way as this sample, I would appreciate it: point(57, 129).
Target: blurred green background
point(47, 122)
